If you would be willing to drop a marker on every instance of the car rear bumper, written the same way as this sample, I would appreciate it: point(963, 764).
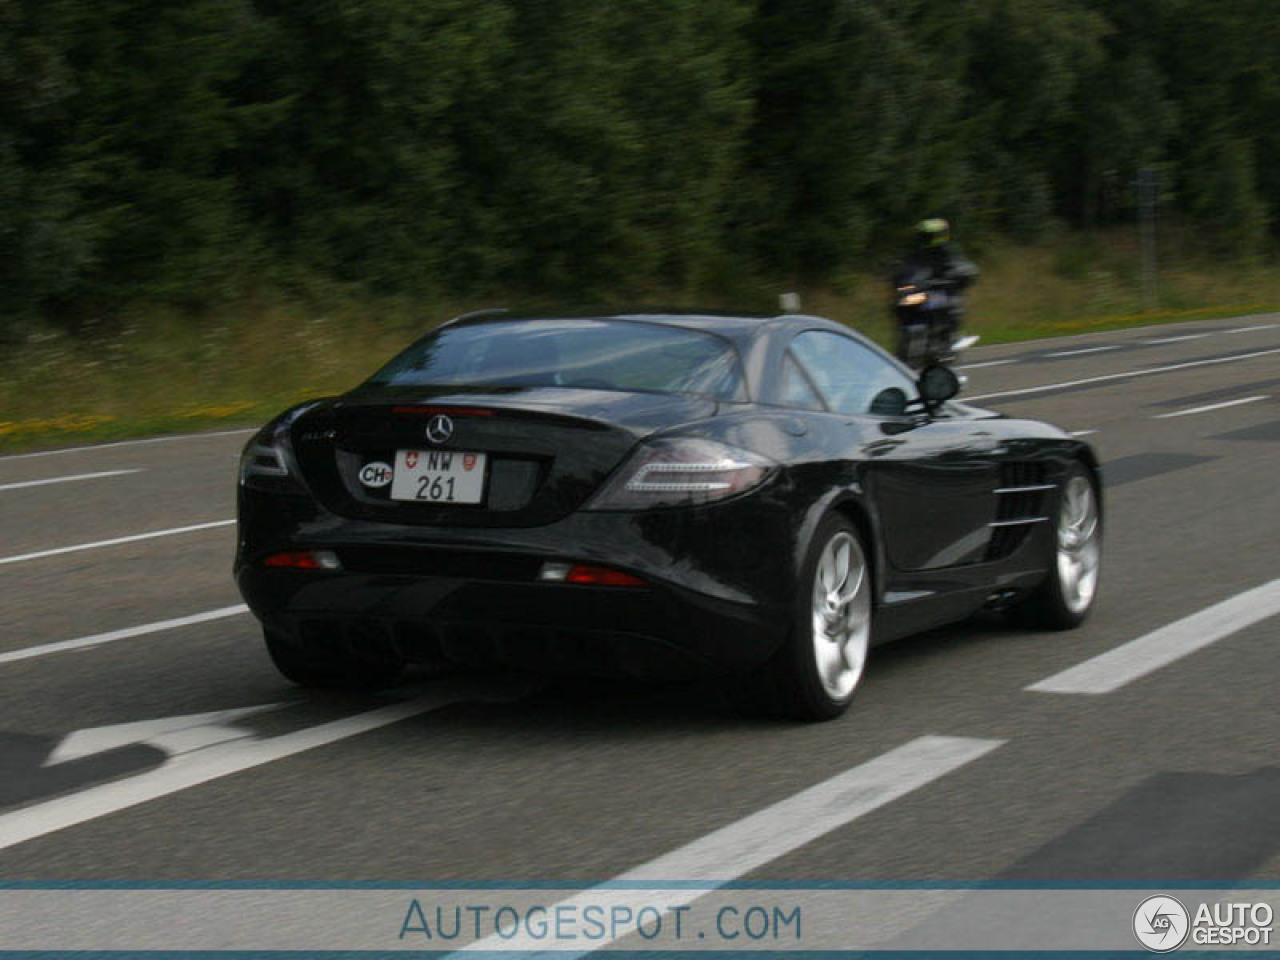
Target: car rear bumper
point(659, 631)
point(715, 598)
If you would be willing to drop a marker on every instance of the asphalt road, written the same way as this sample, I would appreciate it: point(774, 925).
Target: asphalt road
point(1174, 774)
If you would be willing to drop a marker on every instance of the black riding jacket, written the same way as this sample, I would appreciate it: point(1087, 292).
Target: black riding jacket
point(941, 262)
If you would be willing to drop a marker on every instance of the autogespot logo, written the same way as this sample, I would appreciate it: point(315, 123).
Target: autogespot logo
point(439, 429)
point(1161, 923)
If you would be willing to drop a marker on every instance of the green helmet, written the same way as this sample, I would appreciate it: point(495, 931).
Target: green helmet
point(933, 231)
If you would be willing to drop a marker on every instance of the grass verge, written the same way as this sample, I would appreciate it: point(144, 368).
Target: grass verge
point(156, 370)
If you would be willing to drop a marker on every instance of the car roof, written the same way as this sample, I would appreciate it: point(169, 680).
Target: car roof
point(734, 325)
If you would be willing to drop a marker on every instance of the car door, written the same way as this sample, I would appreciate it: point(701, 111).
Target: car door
point(932, 477)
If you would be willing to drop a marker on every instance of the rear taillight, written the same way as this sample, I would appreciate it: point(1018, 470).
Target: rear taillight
point(303, 560)
point(682, 472)
point(267, 462)
point(262, 460)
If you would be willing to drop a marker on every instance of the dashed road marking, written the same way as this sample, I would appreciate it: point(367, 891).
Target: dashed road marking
point(88, 448)
point(1209, 407)
point(748, 844)
point(75, 548)
point(128, 633)
point(1251, 329)
point(1131, 661)
point(988, 363)
point(1180, 339)
point(70, 479)
point(1109, 377)
point(1081, 351)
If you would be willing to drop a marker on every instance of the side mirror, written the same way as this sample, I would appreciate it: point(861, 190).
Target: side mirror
point(937, 385)
point(890, 402)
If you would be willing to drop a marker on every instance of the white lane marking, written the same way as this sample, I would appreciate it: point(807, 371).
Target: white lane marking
point(1082, 350)
point(1125, 331)
point(1130, 661)
point(128, 443)
point(987, 363)
point(192, 769)
point(70, 479)
point(1083, 433)
point(748, 844)
point(1184, 337)
point(19, 558)
point(128, 633)
point(1208, 407)
point(1022, 391)
point(173, 735)
point(1259, 326)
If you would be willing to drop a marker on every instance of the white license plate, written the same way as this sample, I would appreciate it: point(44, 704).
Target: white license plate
point(438, 476)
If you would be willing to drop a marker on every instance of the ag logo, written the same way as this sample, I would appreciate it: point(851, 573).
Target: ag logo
point(375, 474)
point(439, 429)
point(1161, 923)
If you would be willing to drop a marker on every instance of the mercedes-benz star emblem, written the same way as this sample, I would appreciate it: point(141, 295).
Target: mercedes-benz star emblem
point(440, 429)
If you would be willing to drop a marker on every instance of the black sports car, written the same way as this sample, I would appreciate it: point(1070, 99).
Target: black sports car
point(653, 494)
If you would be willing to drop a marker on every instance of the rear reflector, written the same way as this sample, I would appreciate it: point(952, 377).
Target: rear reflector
point(592, 576)
point(304, 560)
point(601, 577)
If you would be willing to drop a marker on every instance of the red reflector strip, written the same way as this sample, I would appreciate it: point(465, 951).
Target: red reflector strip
point(301, 560)
point(602, 577)
point(451, 411)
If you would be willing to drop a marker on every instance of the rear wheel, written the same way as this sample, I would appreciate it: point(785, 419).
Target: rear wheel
point(330, 669)
point(1067, 594)
point(817, 671)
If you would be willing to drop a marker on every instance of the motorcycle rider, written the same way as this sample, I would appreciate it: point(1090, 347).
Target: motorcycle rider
point(935, 263)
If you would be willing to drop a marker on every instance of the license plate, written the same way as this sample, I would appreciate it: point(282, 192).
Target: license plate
point(438, 476)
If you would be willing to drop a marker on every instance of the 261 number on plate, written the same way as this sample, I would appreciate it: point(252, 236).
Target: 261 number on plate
point(438, 476)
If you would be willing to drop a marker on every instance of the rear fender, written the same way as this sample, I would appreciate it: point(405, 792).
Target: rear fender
point(851, 502)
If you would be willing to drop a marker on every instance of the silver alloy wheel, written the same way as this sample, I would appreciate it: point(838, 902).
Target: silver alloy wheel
point(841, 615)
point(1079, 551)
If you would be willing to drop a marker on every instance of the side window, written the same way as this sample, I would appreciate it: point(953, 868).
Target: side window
point(797, 389)
point(850, 377)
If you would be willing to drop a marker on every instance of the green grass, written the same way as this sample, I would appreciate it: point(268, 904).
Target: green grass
point(157, 370)
point(1070, 286)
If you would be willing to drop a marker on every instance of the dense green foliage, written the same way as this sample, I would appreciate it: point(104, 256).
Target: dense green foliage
point(188, 151)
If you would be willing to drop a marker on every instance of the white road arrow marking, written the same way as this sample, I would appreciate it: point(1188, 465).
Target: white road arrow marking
point(230, 757)
point(173, 735)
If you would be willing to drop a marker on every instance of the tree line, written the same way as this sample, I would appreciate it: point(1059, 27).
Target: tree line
point(186, 151)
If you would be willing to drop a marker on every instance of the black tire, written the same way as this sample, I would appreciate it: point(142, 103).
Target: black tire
point(330, 670)
point(1054, 605)
point(790, 684)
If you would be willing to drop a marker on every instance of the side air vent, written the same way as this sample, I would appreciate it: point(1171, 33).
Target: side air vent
point(1020, 504)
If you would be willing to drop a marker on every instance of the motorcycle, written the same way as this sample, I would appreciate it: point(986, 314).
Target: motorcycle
point(927, 311)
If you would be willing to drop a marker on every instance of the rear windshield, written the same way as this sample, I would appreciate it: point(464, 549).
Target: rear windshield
point(589, 354)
